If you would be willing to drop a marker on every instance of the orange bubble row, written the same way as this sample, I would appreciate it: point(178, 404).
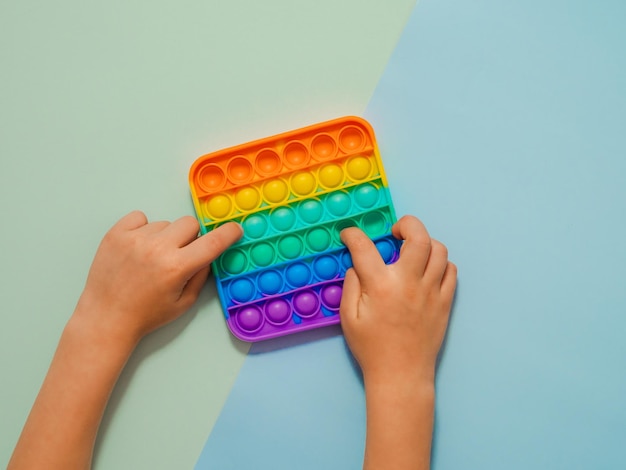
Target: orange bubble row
point(301, 184)
point(264, 159)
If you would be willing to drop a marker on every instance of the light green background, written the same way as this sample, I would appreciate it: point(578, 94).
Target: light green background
point(103, 108)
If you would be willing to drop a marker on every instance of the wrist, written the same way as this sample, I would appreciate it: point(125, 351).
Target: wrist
point(419, 375)
point(93, 324)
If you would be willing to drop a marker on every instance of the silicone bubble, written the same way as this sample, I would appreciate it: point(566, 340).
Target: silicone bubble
point(290, 247)
point(275, 191)
point(326, 267)
point(262, 254)
point(298, 275)
point(366, 195)
point(351, 139)
point(239, 170)
point(303, 183)
point(255, 226)
point(296, 154)
point(249, 319)
point(323, 147)
point(283, 218)
point(331, 176)
point(277, 311)
point(305, 303)
point(270, 282)
point(346, 260)
point(311, 211)
point(339, 226)
point(318, 239)
point(247, 198)
point(218, 207)
point(386, 249)
point(374, 224)
point(211, 178)
point(242, 290)
point(338, 203)
point(358, 168)
point(234, 261)
point(267, 162)
point(331, 296)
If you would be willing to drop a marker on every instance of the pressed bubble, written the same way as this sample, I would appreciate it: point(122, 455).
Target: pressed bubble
point(267, 162)
point(339, 226)
point(211, 178)
point(296, 154)
point(374, 224)
point(351, 139)
point(239, 170)
point(323, 147)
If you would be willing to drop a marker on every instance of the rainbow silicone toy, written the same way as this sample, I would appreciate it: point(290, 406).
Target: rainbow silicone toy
point(292, 193)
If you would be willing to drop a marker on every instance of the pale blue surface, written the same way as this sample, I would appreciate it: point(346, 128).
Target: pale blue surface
point(502, 125)
point(297, 404)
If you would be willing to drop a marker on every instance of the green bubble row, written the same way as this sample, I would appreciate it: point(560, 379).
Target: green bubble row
point(298, 244)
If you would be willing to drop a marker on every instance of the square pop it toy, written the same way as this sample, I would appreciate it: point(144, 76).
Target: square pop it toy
point(292, 193)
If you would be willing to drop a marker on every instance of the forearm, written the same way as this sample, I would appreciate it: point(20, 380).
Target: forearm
point(400, 417)
point(61, 429)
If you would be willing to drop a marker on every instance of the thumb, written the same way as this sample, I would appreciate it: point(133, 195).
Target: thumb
point(348, 310)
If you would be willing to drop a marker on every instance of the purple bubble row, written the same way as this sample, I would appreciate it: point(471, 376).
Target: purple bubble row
point(278, 312)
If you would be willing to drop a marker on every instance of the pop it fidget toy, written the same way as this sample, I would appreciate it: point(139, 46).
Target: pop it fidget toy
point(293, 194)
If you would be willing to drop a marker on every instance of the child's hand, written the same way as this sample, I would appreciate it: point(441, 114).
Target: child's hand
point(145, 275)
point(394, 317)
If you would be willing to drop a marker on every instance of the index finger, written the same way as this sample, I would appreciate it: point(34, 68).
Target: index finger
point(203, 251)
point(366, 260)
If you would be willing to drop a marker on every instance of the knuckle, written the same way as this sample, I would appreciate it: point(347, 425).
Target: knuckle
point(440, 248)
point(191, 221)
point(453, 268)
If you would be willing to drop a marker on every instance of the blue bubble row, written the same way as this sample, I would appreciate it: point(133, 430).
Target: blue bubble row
point(287, 277)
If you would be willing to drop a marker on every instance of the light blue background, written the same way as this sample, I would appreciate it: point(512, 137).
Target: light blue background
point(502, 125)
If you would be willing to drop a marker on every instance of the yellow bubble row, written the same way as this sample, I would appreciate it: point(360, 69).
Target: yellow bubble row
point(326, 177)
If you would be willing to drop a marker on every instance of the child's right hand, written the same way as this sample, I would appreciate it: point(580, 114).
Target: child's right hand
point(145, 275)
point(394, 317)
